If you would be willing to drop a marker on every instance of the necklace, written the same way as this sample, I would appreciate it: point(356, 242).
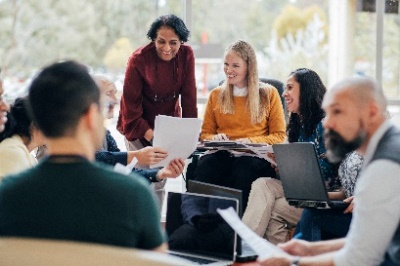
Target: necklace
point(66, 158)
point(175, 71)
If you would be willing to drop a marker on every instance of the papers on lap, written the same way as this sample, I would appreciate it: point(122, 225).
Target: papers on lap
point(241, 149)
point(177, 135)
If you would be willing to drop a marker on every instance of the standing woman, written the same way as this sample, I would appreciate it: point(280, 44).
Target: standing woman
point(156, 75)
point(19, 138)
point(241, 109)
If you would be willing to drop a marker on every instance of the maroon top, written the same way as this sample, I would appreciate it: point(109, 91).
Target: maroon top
point(152, 86)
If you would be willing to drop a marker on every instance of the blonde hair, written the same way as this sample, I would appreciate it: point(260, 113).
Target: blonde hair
point(258, 97)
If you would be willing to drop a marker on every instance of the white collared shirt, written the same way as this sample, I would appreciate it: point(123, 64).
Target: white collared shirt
point(240, 92)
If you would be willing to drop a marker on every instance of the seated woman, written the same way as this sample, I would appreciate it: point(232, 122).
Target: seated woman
point(317, 224)
point(268, 213)
point(241, 109)
point(18, 139)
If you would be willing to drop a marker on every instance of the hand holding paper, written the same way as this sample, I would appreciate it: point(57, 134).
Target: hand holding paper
point(178, 136)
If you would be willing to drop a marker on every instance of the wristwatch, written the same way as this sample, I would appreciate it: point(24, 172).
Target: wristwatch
point(295, 261)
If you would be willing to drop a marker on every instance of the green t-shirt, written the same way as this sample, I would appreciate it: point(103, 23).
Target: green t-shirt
point(80, 201)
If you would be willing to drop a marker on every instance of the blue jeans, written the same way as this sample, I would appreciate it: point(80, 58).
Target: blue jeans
point(318, 224)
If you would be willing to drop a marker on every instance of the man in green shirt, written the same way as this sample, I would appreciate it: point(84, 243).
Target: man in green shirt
point(67, 196)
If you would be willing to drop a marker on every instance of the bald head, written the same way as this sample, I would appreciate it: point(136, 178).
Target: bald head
point(354, 109)
point(360, 90)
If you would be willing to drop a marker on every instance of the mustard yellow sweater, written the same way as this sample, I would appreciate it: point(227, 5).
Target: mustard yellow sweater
point(270, 130)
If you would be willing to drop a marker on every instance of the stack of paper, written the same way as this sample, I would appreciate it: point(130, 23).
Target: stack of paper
point(241, 149)
point(179, 136)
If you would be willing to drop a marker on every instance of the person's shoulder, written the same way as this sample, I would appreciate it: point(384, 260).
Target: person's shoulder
point(186, 49)
point(13, 180)
point(215, 93)
point(11, 148)
point(142, 52)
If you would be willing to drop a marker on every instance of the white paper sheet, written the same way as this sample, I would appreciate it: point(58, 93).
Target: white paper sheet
point(179, 136)
point(262, 247)
point(125, 169)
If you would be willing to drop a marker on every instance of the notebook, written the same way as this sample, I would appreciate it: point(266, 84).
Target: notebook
point(243, 252)
point(301, 176)
point(197, 232)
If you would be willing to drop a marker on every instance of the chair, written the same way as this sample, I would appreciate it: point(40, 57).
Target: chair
point(43, 252)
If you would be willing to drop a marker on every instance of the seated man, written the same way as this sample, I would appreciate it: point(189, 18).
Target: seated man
point(356, 119)
point(111, 154)
point(67, 196)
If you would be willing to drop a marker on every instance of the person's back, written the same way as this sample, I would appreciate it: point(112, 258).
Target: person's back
point(67, 196)
point(79, 201)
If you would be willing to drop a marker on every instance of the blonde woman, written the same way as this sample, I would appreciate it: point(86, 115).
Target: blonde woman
point(241, 109)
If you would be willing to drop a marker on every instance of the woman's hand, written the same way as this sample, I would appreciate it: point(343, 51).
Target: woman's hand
point(220, 136)
point(149, 135)
point(271, 156)
point(350, 208)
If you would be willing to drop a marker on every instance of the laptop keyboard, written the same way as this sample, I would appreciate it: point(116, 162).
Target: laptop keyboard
point(200, 261)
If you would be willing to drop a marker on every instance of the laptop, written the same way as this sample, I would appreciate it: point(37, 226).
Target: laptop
point(197, 232)
point(243, 251)
point(215, 190)
point(301, 176)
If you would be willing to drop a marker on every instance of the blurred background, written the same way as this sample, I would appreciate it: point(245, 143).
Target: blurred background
point(336, 38)
point(286, 34)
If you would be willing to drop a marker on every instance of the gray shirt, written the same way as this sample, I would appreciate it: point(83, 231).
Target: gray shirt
point(376, 214)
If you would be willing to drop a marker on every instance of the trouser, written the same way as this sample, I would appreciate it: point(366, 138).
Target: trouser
point(221, 168)
point(158, 187)
point(268, 214)
point(316, 224)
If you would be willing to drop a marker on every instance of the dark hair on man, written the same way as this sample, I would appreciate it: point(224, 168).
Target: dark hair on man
point(19, 122)
point(172, 22)
point(59, 96)
point(310, 113)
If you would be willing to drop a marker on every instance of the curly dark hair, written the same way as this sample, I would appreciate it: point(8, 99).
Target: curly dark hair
point(19, 122)
point(169, 21)
point(312, 92)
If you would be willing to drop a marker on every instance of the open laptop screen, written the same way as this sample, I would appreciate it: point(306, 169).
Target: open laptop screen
point(215, 190)
point(194, 226)
point(300, 172)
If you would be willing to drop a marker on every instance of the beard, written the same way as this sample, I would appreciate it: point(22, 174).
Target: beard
point(338, 147)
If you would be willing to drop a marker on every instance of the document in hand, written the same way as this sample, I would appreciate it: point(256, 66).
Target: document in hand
point(262, 247)
point(179, 136)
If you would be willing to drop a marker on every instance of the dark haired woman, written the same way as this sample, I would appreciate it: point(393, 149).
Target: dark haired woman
point(268, 213)
point(18, 139)
point(156, 75)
